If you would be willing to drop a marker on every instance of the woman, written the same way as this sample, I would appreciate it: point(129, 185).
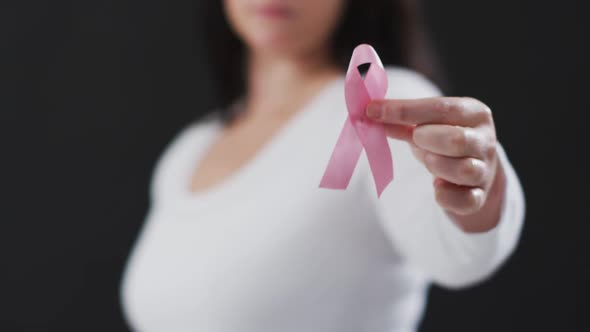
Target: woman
point(240, 238)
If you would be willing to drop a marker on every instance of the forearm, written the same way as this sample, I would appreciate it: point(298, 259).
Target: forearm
point(429, 238)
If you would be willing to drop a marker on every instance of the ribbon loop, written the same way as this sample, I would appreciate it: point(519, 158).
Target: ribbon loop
point(359, 132)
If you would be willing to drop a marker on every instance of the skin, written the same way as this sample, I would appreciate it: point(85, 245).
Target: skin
point(289, 61)
point(455, 138)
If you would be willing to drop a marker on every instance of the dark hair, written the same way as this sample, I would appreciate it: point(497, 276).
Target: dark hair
point(393, 27)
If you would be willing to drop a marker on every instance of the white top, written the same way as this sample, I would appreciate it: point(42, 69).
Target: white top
point(266, 250)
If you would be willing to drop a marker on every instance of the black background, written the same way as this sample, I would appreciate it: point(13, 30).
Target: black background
point(93, 90)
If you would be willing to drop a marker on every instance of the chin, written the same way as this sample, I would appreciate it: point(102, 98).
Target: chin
point(274, 44)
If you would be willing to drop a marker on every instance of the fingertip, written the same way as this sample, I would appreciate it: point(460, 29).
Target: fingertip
point(438, 182)
point(400, 132)
point(420, 136)
point(374, 110)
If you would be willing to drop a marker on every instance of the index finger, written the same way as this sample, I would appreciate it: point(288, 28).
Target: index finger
point(440, 110)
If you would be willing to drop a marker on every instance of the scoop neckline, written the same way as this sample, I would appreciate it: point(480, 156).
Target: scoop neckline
point(233, 179)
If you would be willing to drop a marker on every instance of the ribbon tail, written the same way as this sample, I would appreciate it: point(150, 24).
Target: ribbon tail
point(378, 153)
point(344, 158)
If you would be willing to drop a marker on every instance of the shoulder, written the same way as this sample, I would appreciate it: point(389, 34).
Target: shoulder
point(407, 83)
point(177, 152)
point(187, 136)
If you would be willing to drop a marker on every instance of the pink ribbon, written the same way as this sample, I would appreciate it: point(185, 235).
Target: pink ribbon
point(359, 131)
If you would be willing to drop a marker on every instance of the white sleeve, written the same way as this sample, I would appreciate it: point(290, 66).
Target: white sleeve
point(425, 236)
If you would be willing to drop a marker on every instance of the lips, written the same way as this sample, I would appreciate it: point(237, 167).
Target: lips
point(275, 11)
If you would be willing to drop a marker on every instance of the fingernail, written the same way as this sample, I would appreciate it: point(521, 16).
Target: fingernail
point(374, 111)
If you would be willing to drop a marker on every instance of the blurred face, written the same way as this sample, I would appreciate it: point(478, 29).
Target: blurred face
point(287, 27)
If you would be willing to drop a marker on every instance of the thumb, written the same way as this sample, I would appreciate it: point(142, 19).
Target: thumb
point(400, 132)
point(405, 133)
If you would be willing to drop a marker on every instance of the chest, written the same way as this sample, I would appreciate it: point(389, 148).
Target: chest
point(234, 146)
point(248, 266)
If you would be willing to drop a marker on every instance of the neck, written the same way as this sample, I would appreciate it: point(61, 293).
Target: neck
point(280, 85)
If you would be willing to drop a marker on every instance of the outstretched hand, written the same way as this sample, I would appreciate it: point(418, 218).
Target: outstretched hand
point(455, 138)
